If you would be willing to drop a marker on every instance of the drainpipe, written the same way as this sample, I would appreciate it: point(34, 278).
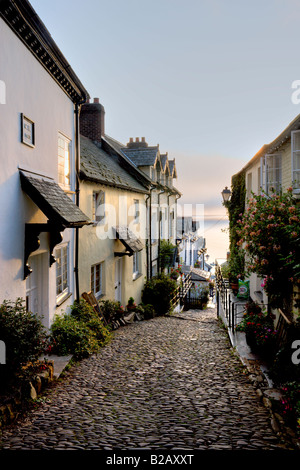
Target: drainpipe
point(158, 260)
point(149, 250)
point(149, 233)
point(77, 189)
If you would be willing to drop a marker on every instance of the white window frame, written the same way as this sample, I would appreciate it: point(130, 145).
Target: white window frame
point(97, 289)
point(64, 160)
point(265, 173)
point(136, 211)
point(295, 169)
point(98, 207)
point(64, 273)
point(136, 264)
point(259, 180)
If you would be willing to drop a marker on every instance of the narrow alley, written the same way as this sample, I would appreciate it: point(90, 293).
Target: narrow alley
point(165, 384)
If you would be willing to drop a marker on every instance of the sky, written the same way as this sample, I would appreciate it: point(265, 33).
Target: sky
point(210, 81)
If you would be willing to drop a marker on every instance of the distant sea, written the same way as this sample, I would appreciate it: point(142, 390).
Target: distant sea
point(217, 237)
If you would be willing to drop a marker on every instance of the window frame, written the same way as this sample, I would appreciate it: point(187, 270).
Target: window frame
point(136, 264)
point(98, 218)
point(60, 296)
point(265, 172)
point(68, 146)
point(136, 211)
point(97, 293)
point(293, 151)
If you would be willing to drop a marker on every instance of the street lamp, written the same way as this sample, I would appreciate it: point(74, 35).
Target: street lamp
point(226, 194)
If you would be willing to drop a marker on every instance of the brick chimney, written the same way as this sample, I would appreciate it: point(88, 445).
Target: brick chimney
point(137, 143)
point(92, 120)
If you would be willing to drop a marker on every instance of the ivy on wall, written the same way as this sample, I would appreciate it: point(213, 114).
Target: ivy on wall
point(236, 207)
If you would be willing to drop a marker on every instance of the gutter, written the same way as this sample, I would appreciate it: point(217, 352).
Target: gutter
point(158, 259)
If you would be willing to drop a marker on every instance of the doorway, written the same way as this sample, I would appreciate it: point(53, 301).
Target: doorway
point(118, 279)
point(37, 287)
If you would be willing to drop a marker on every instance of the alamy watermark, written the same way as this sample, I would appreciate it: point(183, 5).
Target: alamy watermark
point(296, 354)
point(296, 94)
point(2, 92)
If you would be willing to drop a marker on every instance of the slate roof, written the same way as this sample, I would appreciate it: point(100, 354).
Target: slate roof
point(52, 201)
point(142, 156)
point(97, 165)
point(172, 168)
point(164, 162)
point(129, 239)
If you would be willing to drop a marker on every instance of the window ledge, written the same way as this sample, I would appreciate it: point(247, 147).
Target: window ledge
point(63, 299)
point(137, 276)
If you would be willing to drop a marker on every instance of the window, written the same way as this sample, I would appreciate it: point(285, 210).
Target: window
point(258, 181)
point(96, 279)
point(62, 271)
point(271, 173)
point(98, 206)
point(171, 224)
point(153, 173)
point(64, 161)
point(136, 264)
point(154, 225)
point(136, 211)
point(296, 160)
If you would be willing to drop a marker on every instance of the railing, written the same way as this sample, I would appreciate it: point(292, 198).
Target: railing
point(282, 327)
point(233, 309)
point(182, 291)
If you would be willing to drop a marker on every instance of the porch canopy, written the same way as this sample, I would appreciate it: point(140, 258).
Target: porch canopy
point(52, 201)
point(57, 206)
point(131, 242)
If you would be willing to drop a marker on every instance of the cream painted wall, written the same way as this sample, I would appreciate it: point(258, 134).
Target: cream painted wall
point(98, 245)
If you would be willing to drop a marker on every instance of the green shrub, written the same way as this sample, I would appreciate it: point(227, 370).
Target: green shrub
point(84, 313)
point(81, 333)
point(71, 336)
point(166, 254)
point(24, 336)
point(158, 292)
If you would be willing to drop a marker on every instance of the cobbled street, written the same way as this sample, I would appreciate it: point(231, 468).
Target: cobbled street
point(162, 384)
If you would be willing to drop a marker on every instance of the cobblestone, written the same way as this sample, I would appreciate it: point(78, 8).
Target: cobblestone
point(166, 383)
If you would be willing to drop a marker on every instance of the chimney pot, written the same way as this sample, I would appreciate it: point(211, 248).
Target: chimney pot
point(137, 139)
point(96, 100)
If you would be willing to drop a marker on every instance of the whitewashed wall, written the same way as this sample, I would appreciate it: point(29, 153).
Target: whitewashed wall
point(32, 91)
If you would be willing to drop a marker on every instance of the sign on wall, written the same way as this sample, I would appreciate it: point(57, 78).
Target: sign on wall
point(27, 131)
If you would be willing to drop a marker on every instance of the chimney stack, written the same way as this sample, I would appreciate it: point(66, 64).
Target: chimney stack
point(137, 143)
point(92, 122)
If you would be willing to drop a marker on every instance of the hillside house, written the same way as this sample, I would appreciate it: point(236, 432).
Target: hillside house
point(274, 168)
point(39, 214)
point(113, 193)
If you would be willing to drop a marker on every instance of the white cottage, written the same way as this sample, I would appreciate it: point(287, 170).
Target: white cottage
point(39, 213)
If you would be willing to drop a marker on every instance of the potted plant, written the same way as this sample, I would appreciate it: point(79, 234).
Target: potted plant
point(131, 305)
point(258, 327)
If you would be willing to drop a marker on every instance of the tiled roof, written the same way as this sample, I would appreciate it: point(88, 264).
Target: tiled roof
point(142, 156)
point(129, 239)
point(52, 201)
point(172, 167)
point(99, 166)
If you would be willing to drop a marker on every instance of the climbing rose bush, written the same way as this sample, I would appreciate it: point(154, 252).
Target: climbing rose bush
point(269, 231)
